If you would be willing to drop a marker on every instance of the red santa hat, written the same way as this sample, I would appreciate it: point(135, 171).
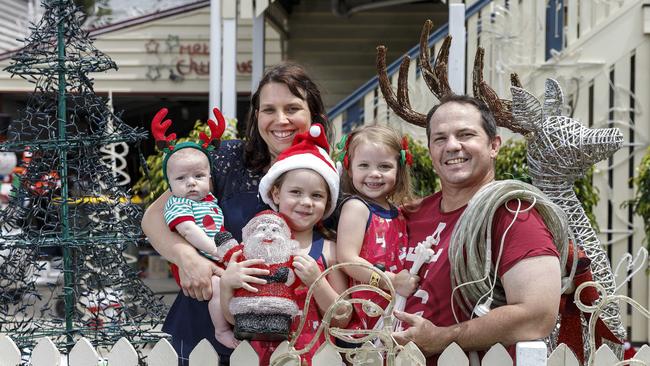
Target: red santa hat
point(309, 150)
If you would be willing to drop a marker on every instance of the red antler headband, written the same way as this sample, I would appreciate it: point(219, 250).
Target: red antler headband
point(167, 143)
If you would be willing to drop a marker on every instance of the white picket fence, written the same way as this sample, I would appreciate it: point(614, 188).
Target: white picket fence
point(123, 353)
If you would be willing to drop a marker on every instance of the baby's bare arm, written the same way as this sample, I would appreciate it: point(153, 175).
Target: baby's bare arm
point(197, 237)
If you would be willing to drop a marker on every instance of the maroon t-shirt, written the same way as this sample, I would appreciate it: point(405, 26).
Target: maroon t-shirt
point(528, 237)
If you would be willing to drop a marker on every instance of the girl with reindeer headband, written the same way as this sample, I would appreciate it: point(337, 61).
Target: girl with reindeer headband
point(371, 230)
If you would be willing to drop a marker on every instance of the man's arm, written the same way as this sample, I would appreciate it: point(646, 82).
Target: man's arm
point(194, 269)
point(532, 289)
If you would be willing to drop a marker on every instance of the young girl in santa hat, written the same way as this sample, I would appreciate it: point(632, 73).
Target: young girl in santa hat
point(303, 186)
point(371, 229)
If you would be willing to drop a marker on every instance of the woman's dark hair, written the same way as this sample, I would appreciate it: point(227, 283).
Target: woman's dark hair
point(256, 153)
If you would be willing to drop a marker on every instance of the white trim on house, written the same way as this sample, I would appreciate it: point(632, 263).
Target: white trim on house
point(164, 53)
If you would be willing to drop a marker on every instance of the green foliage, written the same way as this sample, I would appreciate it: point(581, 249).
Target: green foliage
point(152, 186)
point(588, 195)
point(641, 202)
point(424, 179)
point(512, 164)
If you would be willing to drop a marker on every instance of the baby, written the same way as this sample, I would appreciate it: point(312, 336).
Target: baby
point(192, 210)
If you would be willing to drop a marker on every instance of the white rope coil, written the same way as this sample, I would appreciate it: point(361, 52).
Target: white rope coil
point(473, 273)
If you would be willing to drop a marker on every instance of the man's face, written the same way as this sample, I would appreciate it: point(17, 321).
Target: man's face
point(460, 149)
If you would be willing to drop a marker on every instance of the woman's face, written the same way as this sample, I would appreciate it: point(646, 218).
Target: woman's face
point(281, 116)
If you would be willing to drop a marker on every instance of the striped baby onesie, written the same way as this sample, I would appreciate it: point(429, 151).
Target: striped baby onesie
point(205, 213)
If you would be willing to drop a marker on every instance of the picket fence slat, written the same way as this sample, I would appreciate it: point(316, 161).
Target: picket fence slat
point(453, 355)
point(410, 356)
point(244, 354)
point(45, 353)
point(374, 358)
point(562, 356)
point(9, 352)
point(122, 354)
point(605, 357)
point(497, 355)
point(281, 349)
point(83, 354)
point(326, 356)
point(204, 354)
point(532, 353)
point(643, 354)
point(162, 354)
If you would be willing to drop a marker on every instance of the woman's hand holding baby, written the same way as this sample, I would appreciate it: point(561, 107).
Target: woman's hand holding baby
point(194, 272)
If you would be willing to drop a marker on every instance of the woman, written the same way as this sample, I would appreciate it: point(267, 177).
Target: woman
point(286, 103)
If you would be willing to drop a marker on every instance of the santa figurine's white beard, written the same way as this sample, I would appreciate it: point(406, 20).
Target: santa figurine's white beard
point(278, 251)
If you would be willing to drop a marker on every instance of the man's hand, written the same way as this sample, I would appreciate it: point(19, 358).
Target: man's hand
point(195, 275)
point(428, 337)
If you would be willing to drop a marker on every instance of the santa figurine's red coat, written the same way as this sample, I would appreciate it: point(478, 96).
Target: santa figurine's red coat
point(267, 313)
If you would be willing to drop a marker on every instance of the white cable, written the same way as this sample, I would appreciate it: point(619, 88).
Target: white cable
point(470, 248)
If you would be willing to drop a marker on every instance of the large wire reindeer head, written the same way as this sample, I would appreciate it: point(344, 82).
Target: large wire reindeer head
point(558, 145)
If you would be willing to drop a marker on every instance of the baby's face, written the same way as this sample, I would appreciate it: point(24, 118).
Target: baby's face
point(188, 172)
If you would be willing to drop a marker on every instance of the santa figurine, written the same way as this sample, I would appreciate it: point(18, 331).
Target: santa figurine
point(267, 314)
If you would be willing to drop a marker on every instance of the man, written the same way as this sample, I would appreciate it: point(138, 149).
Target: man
point(463, 146)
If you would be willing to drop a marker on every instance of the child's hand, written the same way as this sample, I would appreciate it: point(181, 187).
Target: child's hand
point(240, 275)
point(405, 284)
point(306, 269)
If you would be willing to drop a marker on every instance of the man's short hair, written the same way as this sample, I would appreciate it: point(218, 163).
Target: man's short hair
point(487, 118)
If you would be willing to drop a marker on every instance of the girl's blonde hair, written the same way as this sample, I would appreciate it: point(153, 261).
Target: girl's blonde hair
point(389, 138)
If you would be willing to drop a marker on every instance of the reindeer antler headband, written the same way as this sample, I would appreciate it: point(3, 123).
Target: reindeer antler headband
point(167, 143)
point(437, 81)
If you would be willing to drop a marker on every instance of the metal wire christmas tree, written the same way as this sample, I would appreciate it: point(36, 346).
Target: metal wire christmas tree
point(68, 202)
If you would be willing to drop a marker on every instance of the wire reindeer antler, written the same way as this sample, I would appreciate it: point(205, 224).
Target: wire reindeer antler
point(401, 104)
point(435, 77)
point(159, 128)
point(216, 129)
point(501, 108)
